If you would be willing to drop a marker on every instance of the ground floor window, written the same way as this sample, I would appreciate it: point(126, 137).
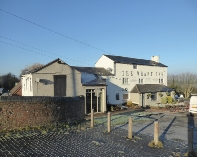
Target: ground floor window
point(153, 96)
point(117, 96)
point(125, 96)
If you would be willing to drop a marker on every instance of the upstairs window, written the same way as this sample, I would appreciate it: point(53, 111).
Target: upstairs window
point(134, 66)
point(125, 81)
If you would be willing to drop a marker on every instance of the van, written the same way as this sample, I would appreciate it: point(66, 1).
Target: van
point(193, 104)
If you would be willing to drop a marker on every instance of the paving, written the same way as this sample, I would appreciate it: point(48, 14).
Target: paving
point(80, 140)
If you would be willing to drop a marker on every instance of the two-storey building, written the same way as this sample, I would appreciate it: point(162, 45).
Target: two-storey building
point(129, 73)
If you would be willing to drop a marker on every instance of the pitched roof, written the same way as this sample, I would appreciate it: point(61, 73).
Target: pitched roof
point(93, 70)
point(95, 82)
point(127, 60)
point(40, 68)
point(150, 88)
point(16, 88)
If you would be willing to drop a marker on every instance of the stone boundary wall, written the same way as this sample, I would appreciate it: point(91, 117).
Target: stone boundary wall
point(21, 111)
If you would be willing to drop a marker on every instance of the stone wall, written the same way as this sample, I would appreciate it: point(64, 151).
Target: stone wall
point(17, 112)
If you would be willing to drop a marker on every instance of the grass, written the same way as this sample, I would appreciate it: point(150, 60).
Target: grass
point(152, 144)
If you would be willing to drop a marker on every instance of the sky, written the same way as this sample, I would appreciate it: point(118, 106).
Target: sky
point(80, 31)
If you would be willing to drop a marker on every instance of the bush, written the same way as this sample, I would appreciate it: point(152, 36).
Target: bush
point(169, 99)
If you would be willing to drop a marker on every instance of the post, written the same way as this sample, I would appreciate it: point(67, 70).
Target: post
point(109, 121)
point(156, 132)
point(190, 140)
point(130, 128)
point(92, 118)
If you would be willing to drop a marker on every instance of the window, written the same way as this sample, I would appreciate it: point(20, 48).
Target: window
point(125, 96)
point(153, 96)
point(138, 73)
point(141, 73)
point(30, 85)
point(117, 96)
point(141, 80)
point(151, 73)
point(26, 84)
point(134, 66)
point(125, 81)
point(161, 80)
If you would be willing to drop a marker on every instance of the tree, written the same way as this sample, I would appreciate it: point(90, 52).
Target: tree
point(184, 83)
point(30, 68)
point(8, 81)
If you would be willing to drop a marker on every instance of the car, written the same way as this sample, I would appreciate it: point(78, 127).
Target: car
point(193, 105)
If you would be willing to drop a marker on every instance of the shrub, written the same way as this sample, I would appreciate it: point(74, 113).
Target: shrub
point(129, 104)
point(169, 99)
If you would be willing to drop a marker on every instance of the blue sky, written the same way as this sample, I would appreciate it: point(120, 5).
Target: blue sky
point(130, 28)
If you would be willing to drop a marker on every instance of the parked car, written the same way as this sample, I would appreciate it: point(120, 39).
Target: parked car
point(193, 105)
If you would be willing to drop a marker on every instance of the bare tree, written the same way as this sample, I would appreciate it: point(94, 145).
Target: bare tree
point(183, 83)
point(30, 68)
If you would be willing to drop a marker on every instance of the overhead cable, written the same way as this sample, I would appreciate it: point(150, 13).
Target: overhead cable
point(53, 31)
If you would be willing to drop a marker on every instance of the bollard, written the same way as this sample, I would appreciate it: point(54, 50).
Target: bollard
point(190, 140)
point(130, 128)
point(109, 121)
point(92, 118)
point(156, 132)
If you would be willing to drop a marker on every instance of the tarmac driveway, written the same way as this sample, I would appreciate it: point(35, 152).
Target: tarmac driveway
point(171, 126)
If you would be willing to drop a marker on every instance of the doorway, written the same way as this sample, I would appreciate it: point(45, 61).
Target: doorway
point(94, 98)
point(60, 85)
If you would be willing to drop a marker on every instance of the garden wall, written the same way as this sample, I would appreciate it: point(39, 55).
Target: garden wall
point(17, 111)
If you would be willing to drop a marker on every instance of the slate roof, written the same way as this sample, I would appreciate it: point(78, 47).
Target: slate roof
point(95, 82)
point(93, 70)
point(150, 88)
point(127, 60)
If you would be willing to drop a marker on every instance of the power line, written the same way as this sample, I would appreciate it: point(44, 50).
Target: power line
point(24, 49)
point(39, 49)
point(53, 31)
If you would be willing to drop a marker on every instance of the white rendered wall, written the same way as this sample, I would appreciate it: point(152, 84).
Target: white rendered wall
point(27, 88)
point(149, 75)
point(106, 63)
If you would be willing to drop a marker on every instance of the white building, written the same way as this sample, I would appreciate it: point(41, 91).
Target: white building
point(128, 72)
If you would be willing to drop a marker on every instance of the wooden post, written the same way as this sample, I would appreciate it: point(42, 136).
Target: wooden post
point(92, 118)
point(190, 140)
point(130, 128)
point(156, 132)
point(109, 121)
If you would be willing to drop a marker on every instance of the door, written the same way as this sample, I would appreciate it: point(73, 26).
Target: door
point(60, 85)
